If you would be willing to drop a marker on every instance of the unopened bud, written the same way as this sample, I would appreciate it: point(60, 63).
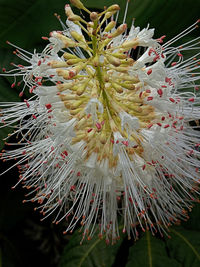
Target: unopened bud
point(117, 88)
point(113, 60)
point(82, 88)
point(77, 36)
point(77, 3)
point(118, 31)
point(90, 27)
point(93, 16)
point(113, 8)
point(73, 61)
point(74, 18)
point(57, 64)
point(110, 26)
point(130, 44)
point(69, 56)
point(119, 55)
point(66, 41)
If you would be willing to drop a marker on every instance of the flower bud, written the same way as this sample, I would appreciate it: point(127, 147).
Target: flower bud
point(74, 18)
point(57, 64)
point(130, 44)
point(69, 56)
point(110, 26)
point(94, 16)
point(118, 31)
point(113, 60)
point(117, 88)
point(77, 3)
point(77, 36)
point(113, 8)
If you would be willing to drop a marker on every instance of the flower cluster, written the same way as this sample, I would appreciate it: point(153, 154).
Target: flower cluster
point(106, 133)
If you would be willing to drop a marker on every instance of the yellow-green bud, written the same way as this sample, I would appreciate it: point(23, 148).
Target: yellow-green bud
point(77, 3)
point(77, 36)
point(110, 26)
point(113, 8)
point(113, 60)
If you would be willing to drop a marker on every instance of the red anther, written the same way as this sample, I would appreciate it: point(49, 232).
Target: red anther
point(196, 88)
point(24, 152)
point(48, 106)
point(140, 95)
point(162, 56)
point(125, 143)
point(89, 130)
point(150, 51)
point(117, 142)
point(72, 73)
point(112, 141)
point(21, 94)
point(72, 188)
point(180, 55)
point(149, 71)
point(166, 126)
point(150, 125)
point(196, 169)
point(39, 62)
point(163, 86)
point(160, 92)
point(27, 104)
point(45, 38)
point(191, 99)
point(156, 58)
point(39, 83)
point(52, 148)
point(78, 174)
point(160, 40)
point(34, 117)
point(163, 118)
point(50, 110)
point(159, 124)
point(181, 128)
point(149, 98)
point(65, 152)
point(173, 64)
point(148, 91)
point(58, 82)
point(102, 123)
point(130, 199)
point(172, 100)
point(20, 66)
point(38, 78)
point(12, 85)
point(3, 69)
point(98, 125)
point(143, 167)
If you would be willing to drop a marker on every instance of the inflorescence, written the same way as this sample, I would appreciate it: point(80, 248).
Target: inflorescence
point(106, 135)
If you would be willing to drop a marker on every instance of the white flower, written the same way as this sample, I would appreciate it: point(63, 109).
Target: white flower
point(105, 135)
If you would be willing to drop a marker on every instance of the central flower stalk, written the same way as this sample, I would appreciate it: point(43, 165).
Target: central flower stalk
point(105, 95)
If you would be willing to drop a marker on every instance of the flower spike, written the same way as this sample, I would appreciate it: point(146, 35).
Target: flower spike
point(106, 133)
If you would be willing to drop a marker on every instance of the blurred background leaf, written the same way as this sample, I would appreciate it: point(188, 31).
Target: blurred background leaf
point(23, 238)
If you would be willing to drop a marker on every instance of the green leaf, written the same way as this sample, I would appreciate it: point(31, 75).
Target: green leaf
point(93, 253)
point(184, 246)
point(193, 221)
point(150, 251)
